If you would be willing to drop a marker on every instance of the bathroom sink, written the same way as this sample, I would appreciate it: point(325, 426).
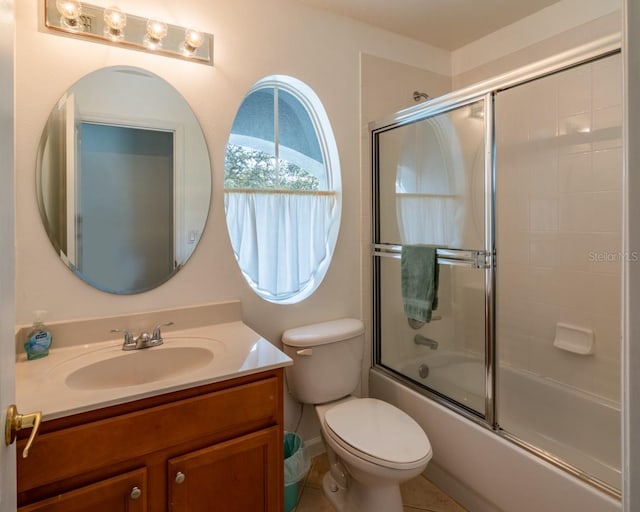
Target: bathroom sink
point(139, 367)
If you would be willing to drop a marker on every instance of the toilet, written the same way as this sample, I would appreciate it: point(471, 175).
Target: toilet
point(372, 445)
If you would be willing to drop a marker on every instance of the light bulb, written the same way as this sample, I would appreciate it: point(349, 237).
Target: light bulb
point(193, 40)
point(156, 31)
point(70, 11)
point(114, 22)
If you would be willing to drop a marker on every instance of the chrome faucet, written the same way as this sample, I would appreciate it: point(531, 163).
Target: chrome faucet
point(419, 339)
point(144, 339)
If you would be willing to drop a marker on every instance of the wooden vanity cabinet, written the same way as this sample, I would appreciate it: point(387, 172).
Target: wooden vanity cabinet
point(208, 448)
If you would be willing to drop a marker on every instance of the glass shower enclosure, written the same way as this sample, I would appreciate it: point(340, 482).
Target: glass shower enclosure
point(517, 183)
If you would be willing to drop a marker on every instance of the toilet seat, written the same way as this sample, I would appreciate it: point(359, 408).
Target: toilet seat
point(378, 432)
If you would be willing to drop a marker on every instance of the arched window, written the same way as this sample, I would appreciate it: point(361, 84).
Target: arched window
point(282, 183)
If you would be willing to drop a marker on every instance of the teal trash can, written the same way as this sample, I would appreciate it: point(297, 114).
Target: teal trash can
point(296, 465)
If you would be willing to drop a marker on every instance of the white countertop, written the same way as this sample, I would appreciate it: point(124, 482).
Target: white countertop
point(42, 385)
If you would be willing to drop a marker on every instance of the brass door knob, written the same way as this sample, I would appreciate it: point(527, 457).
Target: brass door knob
point(15, 421)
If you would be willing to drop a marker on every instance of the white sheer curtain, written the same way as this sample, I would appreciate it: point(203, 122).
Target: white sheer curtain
point(279, 237)
point(430, 181)
point(429, 219)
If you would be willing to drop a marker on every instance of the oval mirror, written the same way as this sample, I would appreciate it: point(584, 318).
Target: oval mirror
point(123, 180)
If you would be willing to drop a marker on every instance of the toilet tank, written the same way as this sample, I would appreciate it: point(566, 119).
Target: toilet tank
point(327, 360)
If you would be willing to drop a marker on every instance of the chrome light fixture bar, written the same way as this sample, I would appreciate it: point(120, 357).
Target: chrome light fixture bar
point(113, 26)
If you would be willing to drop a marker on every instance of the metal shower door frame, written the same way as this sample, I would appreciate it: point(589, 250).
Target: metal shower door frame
point(481, 258)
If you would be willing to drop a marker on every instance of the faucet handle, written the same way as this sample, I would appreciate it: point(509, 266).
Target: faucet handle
point(157, 335)
point(128, 336)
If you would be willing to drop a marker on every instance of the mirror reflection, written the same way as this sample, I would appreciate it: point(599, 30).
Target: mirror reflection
point(123, 180)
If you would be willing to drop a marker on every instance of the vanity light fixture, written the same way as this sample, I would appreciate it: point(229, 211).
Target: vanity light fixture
point(114, 22)
point(156, 32)
point(70, 11)
point(107, 25)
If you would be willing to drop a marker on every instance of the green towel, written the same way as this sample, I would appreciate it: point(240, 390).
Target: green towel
point(419, 275)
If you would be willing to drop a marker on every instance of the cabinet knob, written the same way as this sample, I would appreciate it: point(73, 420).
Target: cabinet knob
point(180, 478)
point(136, 492)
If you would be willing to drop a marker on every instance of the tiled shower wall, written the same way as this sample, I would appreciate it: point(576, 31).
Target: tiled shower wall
point(559, 223)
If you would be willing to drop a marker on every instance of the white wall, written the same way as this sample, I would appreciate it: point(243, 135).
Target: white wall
point(252, 39)
point(560, 26)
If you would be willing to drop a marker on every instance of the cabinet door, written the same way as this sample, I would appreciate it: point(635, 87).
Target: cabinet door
point(122, 493)
point(240, 475)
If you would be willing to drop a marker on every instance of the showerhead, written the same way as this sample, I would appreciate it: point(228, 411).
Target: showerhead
point(417, 95)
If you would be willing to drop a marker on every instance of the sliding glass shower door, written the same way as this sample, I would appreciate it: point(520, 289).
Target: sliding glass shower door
point(559, 237)
point(431, 186)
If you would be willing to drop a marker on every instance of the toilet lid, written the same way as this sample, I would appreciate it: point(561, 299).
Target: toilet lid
point(379, 430)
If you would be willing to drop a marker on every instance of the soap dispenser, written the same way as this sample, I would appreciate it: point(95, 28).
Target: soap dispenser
point(38, 339)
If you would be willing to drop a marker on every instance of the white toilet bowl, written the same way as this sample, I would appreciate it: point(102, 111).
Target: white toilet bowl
point(379, 446)
point(372, 445)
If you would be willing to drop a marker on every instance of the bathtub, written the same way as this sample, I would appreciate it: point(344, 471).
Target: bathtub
point(456, 375)
point(487, 473)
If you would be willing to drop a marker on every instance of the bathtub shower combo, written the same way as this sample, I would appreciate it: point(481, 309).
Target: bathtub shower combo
point(518, 183)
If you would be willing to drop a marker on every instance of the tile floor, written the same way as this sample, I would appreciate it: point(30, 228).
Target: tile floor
point(418, 495)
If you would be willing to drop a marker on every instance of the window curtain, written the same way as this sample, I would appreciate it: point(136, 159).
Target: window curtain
point(430, 204)
point(432, 220)
point(279, 238)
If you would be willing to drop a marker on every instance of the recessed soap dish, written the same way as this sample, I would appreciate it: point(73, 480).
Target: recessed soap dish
point(577, 340)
